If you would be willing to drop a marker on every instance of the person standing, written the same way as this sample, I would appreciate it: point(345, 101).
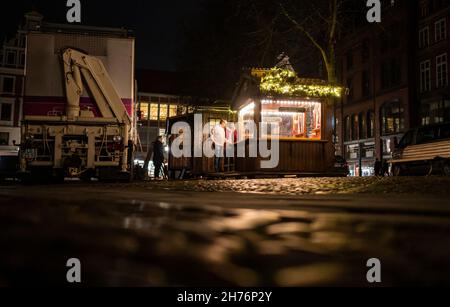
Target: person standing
point(158, 156)
point(218, 136)
point(377, 167)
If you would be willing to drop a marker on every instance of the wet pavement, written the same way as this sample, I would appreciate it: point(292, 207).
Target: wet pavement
point(274, 232)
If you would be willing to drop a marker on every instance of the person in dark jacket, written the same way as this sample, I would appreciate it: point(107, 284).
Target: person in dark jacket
point(377, 167)
point(158, 156)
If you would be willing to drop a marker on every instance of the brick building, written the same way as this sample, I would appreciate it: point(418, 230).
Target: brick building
point(377, 64)
point(432, 62)
point(12, 74)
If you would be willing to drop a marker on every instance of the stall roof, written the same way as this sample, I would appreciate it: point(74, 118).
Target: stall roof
point(285, 82)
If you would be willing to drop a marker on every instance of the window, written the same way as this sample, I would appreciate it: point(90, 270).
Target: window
point(8, 85)
point(440, 30)
point(22, 41)
point(295, 119)
point(365, 83)
point(362, 126)
point(424, 9)
point(392, 118)
point(446, 110)
point(354, 127)
point(144, 111)
point(347, 129)
point(246, 116)
point(435, 112)
point(424, 37)
point(10, 58)
point(425, 114)
point(6, 112)
point(370, 124)
point(425, 76)
point(350, 89)
point(173, 110)
point(441, 71)
point(163, 109)
point(154, 109)
point(4, 138)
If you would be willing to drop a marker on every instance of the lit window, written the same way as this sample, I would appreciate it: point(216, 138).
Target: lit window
point(154, 111)
point(392, 118)
point(246, 116)
point(144, 110)
point(163, 108)
point(295, 119)
point(173, 110)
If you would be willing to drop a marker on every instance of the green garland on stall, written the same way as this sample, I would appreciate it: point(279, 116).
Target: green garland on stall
point(286, 82)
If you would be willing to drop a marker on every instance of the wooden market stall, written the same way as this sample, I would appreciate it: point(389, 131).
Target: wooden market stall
point(185, 167)
point(303, 110)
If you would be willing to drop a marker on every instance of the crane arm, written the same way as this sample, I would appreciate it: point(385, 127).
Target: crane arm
point(77, 65)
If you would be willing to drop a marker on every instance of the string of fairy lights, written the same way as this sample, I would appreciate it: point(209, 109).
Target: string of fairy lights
point(286, 82)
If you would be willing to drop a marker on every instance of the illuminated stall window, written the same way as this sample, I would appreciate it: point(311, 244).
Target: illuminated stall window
point(144, 110)
point(246, 116)
point(163, 108)
point(173, 110)
point(154, 111)
point(296, 119)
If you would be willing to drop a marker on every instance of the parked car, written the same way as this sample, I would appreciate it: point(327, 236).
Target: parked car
point(340, 167)
point(423, 151)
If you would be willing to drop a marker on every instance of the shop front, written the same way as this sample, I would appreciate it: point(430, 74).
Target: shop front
point(361, 158)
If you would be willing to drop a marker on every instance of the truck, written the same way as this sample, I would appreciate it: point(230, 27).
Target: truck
point(423, 151)
point(88, 132)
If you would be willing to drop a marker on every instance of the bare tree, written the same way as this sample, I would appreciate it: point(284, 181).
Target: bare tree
point(319, 22)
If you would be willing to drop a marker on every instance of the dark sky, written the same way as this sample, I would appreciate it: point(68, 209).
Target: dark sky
point(156, 23)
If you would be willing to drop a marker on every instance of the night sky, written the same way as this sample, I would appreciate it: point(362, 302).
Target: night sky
point(157, 25)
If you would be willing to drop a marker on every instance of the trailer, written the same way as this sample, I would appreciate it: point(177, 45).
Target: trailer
point(78, 107)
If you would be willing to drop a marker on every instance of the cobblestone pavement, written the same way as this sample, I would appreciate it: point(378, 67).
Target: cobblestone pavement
point(317, 186)
point(285, 233)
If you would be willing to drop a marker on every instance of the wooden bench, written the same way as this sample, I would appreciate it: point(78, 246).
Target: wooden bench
point(425, 152)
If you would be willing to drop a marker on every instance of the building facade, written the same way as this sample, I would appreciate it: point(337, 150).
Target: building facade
point(163, 95)
point(12, 76)
point(433, 47)
point(377, 64)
